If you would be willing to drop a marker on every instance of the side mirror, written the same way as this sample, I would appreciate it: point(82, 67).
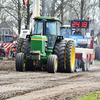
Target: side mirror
point(92, 32)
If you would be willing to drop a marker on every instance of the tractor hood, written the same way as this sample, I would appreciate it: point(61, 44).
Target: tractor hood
point(38, 43)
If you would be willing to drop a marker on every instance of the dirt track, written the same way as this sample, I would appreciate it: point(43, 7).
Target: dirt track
point(45, 86)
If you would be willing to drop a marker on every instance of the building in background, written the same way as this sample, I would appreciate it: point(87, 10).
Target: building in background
point(7, 28)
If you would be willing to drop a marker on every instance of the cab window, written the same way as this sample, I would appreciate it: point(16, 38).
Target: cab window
point(65, 32)
point(51, 28)
point(38, 27)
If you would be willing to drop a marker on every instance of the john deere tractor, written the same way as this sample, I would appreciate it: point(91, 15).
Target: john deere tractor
point(46, 47)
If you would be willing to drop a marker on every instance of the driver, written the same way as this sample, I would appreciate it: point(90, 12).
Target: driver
point(77, 32)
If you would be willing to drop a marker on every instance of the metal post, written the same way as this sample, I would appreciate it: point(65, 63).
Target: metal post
point(37, 13)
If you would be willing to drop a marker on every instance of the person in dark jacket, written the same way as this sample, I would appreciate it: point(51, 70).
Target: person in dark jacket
point(2, 50)
point(77, 32)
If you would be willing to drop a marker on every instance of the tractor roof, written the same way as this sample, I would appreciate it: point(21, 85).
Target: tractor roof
point(48, 18)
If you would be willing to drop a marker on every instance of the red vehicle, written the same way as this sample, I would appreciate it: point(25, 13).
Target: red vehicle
point(8, 43)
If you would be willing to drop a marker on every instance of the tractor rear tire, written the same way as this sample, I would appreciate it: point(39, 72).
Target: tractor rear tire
point(19, 45)
point(62, 56)
point(26, 50)
point(59, 50)
point(26, 47)
point(20, 62)
point(70, 57)
point(52, 64)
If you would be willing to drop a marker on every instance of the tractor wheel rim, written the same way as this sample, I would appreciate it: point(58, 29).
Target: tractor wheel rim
point(21, 48)
point(24, 63)
point(73, 57)
point(56, 64)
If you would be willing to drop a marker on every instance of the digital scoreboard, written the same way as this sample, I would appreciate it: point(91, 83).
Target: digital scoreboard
point(79, 23)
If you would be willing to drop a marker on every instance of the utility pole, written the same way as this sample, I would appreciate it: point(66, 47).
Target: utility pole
point(28, 14)
point(82, 6)
point(19, 17)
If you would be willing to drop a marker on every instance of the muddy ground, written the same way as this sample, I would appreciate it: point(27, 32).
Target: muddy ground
point(40, 85)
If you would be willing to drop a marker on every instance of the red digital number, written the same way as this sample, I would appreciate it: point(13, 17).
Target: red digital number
point(84, 24)
point(78, 24)
point(75, 24)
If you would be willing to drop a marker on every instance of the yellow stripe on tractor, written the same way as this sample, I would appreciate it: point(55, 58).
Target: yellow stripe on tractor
point(40, 39)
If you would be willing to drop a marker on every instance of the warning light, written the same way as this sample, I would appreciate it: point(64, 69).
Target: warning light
point(88, 17)
point(52, 18)
point(68, 19)
point(36, 17)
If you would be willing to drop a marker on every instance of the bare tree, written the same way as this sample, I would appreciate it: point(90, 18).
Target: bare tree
point(3, 14)
point(15, 9)
point(75, 9)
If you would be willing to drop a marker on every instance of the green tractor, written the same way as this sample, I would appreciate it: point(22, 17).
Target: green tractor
point(46, 48)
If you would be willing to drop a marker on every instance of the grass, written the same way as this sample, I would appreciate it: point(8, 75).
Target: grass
point(95, 96)
point(96, 62)
point(92, 96)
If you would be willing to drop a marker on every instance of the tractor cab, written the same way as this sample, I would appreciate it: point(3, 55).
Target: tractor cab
point(47, 28)
point(65, 31)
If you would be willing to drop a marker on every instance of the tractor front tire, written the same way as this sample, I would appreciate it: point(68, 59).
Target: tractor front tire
point(19, 45)
point(29, 65)
point(60, 51)
point(20, 65)
point(70, 54)
point(52, 64)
